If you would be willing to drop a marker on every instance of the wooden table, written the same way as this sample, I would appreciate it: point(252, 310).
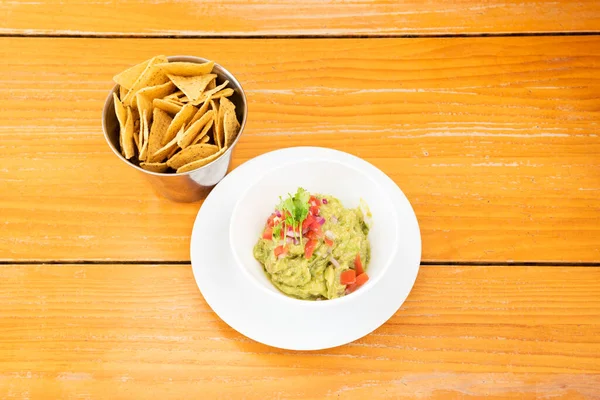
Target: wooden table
point(486, 114)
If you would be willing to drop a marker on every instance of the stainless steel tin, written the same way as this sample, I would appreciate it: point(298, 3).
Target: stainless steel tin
point(188, 186)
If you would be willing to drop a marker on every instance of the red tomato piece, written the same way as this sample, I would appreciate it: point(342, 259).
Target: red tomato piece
point(348, 277)
point(309, 249)
point(271, 220)
point(308, 221)
point(314, 210)
point(268, 234)
point(317, 230)
point(360, 280)
point(329, 242)
point(358, 265)
point(279, 250)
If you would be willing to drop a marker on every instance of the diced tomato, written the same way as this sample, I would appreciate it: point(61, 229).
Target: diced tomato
point(268, 234)
point(279, 250)
point(308, 221)
point(282, 234)
point(314, 234)
point(358, 265)
point(309, 249)
point(348, 277)
point(271, 220)
point(315, 226)
point(328, 242)
point(360, 280)
point(314, 200)
point(314, 210)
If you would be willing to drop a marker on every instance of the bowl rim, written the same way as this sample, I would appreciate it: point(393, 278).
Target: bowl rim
point(109, 107)
point(277, 294)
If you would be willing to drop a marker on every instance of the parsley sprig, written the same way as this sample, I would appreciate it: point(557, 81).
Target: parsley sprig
point(295, 210)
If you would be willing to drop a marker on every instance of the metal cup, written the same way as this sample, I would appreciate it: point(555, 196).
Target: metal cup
point(186, 186)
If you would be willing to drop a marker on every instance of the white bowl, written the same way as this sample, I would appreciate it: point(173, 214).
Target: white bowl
point(316, 176)
point(230, 222)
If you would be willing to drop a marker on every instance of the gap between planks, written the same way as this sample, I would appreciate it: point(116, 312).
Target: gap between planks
point(551, 264)
point(76, 35)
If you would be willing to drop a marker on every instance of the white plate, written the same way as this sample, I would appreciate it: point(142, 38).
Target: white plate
point(289, 323)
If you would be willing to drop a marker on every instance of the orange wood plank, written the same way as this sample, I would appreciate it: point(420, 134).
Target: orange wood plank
point(111, 331)
point(494, 140)
point(312, 17)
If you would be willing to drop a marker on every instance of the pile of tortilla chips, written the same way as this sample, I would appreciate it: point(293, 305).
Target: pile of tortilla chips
point(173, 116)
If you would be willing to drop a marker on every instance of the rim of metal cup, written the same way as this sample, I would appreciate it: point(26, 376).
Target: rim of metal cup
point(109, 107)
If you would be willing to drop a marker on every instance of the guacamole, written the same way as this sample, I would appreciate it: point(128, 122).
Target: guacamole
point(313, 248)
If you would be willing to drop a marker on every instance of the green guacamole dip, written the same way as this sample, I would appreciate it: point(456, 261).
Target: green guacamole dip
point(337, 241)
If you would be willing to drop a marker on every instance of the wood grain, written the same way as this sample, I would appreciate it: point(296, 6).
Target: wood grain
point(494, 140)
point(117, 331)
point(291, 17)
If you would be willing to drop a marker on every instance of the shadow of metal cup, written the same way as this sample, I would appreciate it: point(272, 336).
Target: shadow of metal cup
point(186, 186)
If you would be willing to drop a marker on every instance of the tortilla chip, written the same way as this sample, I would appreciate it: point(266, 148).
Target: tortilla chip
point(211, 85)
point(222, 93)
point(151, 76)
point(231, 127)
point(206, 138)
point(143, 105)
point(128, 136)
point(136, 134)
point(208, 93)
point(225, 105)
point(176, 102)
point(140, 138)
point(191, 154)
point(167, 149)
point(160, 123)
point(194, 129)
point(166, 106)
point(225, 102)
point(144, 136)
point(127, 78)
point(122, 92)
point(181, 118)
point(203, 136)
point(158, 91)
point(201, 111)
point(136, 127)
point(200, 163)
point(173, 152)
point(175, 95)
point(121, 141)
point(120, 111)
point(154, 167)
point(192, 86)
point(215, 106)
point(187, 68)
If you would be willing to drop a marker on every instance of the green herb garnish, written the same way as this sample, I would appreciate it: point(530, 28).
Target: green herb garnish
point(277, 231)
point(295, 210)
